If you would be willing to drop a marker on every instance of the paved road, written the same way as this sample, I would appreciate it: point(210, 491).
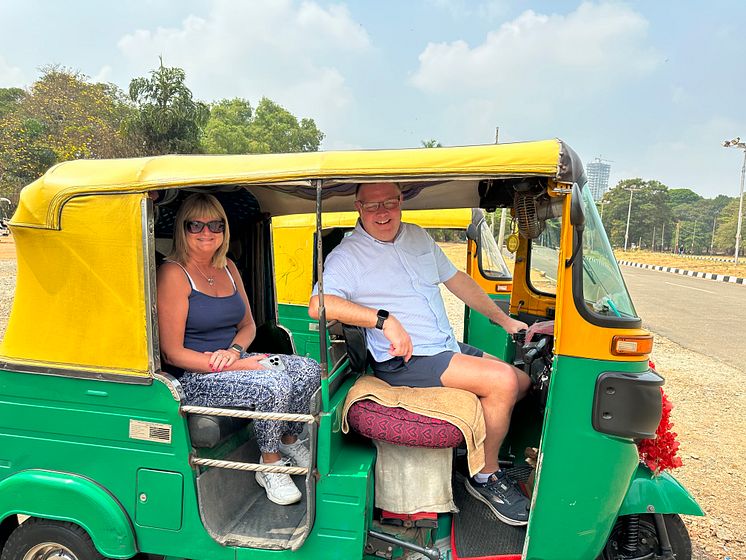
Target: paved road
point(703, 315)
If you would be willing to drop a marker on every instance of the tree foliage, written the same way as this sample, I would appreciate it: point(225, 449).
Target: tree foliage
point(10, 99)
point(168, 120)
point(668, 219)
point(432, 143)
point(63, 116)
point(228, 129)
point(234, 128)
point(726, 226)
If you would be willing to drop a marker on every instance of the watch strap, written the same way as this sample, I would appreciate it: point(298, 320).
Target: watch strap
point(237, 347)
point(382, 316)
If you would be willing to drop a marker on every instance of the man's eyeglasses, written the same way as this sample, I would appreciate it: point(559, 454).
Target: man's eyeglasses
point(195, 226)
point(389, 204)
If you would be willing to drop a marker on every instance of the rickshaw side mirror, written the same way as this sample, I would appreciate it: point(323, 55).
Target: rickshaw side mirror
point(472, 233)
point(577, 214)
point(577, 219)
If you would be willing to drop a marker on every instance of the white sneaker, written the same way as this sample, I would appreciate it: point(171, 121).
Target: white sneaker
point(297, 452)
point(280, 487)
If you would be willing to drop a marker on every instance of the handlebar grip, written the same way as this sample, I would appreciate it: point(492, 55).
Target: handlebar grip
point(519, 337)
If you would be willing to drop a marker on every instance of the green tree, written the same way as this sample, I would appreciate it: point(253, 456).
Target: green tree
point(229, 127)
point(63, 116)
point(10, 99)
point(168, 119)
point(727, 225)
point(273, 129)
point(432, 143)
point(650, 217)
point(234, 128)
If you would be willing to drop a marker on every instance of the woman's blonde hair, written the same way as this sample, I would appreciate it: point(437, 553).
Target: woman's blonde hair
point(199, 205)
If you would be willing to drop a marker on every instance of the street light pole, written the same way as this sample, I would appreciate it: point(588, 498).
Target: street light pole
point(736, 143)
point(629, 212)
point(712, 242)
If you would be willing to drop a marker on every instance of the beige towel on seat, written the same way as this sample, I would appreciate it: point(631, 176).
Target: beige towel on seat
point(460, 408)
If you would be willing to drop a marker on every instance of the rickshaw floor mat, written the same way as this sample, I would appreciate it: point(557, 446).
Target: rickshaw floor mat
point(236, 511)
point(477, 532)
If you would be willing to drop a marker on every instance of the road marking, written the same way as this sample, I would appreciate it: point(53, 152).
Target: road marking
point(689, 287)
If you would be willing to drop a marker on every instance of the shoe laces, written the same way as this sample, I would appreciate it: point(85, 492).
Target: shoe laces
point(508, 487)
point(298, 453)
point(278, 481)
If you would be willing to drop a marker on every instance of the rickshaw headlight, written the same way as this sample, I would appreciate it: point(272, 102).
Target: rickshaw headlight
point(631, 345)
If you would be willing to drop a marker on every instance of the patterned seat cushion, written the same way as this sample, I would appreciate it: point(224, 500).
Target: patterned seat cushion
point(399, 426)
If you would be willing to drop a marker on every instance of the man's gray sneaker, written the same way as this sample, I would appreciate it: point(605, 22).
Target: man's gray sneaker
point(502, 496)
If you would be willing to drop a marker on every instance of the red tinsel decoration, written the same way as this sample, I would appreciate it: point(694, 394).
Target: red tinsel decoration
point(659, 453)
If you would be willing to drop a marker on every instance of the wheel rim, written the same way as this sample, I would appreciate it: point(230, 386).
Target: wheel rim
point(49, 551)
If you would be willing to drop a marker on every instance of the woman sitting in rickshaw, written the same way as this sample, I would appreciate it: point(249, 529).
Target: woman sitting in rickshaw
point(206, 325)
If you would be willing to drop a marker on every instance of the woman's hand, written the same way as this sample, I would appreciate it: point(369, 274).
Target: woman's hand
point(222, 359)
point(251, 362)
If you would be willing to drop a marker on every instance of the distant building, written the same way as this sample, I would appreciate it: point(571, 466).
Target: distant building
point(598, 177)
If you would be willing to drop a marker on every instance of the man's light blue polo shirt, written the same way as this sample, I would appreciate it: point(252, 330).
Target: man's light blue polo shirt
point(401, 276)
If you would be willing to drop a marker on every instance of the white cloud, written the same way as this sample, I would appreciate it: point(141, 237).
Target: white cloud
point(464, 9)
point(11, 76)
point(292, 52)
point(103, 75)
point(591, 49)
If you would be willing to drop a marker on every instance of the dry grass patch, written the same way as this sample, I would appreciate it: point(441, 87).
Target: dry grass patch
point(683, 262)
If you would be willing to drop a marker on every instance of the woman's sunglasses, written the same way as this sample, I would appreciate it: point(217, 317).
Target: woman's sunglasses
point(195, 226)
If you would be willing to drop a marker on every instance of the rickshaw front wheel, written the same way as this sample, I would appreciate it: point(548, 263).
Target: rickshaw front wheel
point(45, 539)
point(636, 537)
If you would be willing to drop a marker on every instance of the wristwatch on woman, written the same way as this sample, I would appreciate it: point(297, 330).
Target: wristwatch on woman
point(382, 316)
point(237, 347)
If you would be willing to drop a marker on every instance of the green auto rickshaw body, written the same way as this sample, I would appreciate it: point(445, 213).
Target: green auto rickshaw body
point(94, 431)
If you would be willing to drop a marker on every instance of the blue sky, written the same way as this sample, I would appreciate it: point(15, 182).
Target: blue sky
point(654, 87)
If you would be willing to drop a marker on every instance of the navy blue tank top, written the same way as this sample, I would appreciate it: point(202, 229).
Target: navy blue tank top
point(212, 320)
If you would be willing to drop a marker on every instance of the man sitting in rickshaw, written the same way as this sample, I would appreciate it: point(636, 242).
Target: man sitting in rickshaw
point(385, 277)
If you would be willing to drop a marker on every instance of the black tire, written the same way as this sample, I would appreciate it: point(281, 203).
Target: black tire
point(647, 541)
point(64, 540)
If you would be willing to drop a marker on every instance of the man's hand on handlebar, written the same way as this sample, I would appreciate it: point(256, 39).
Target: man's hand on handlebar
point(513, 326)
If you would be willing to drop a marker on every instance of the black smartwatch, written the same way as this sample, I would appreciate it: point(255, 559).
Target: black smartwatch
point(382, 316)
point(237, 347)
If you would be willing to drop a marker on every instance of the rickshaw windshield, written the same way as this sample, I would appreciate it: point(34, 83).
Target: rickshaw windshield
point(490, 258)
point(604, 290)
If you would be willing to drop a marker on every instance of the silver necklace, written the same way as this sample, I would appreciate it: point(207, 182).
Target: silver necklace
point(210, 279)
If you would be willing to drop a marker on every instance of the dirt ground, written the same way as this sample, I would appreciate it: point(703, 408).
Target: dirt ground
point(686, 262)
point(709, 416)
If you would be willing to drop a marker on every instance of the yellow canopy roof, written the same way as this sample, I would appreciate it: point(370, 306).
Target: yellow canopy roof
point(41, 202)
point(85, 283)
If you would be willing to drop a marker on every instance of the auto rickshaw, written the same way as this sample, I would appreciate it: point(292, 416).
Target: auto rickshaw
point(101, 458)
point(294, 246)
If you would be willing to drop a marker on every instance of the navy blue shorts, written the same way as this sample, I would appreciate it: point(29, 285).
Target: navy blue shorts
point(419, 371)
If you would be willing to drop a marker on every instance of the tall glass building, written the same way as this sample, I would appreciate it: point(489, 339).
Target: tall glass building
point(598, 177)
